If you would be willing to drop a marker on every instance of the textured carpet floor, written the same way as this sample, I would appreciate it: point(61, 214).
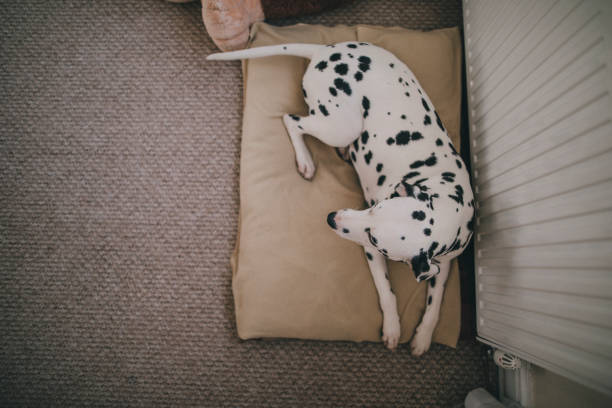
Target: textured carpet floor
point(119, 151)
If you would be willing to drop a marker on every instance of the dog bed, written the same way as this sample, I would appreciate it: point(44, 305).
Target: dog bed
point(292, 275)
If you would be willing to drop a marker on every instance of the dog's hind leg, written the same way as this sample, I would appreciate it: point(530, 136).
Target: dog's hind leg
point(435, 290)
point(386, 298)
point(336, 132)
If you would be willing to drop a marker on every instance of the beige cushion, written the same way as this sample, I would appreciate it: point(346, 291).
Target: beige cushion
point(292, 275)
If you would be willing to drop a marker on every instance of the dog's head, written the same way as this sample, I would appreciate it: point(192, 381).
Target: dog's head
point(393, 227)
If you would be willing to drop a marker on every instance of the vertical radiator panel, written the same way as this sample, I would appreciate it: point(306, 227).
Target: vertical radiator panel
point(539, 76)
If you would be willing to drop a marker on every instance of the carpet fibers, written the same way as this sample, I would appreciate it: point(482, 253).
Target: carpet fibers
point(119, 152)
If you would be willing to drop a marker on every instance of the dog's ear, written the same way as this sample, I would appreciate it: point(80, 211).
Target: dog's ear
point(422, 266)
point(403, 189)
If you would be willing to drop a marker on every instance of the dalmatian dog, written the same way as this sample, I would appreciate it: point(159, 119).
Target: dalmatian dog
point(363, 99)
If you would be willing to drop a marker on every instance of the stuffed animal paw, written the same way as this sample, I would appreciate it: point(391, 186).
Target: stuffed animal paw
point(228, 22)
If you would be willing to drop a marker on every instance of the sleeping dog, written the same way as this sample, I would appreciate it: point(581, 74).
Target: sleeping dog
point(365, 100)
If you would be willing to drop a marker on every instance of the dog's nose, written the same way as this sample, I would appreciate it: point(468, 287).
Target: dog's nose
point(331, 220)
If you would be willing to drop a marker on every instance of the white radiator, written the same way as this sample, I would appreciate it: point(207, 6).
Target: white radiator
point(539, 77)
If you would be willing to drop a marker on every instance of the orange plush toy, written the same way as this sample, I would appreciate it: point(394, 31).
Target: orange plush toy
point(228, 21)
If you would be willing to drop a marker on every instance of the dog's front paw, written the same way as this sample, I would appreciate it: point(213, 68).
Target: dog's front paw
point(391, 331)
point(305, 165)
point(421, 341)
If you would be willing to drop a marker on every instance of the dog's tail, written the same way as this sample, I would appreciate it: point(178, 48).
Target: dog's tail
point(297, 50)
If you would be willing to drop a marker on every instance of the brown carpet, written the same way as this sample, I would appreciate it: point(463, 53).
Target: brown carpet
point(119, 149)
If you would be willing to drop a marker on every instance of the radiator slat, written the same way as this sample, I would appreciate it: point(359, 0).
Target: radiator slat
point(539, 78)
point(583, 282)
point(582, 174)
point(575, 334)
point(578, 149)
point(594, 311)
point(592, 368)
point(594, 226)
point(577, 255)
point(558, 206)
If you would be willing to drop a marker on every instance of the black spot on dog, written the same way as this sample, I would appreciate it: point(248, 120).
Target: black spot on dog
point(458, 197)
point(372, 202)
point(427, 120)
point(352, 45)
point(458, 163)
point(402, 238)
point(431, 221)
point(425, 105)
point(418, 215)
point(431, 249)
point(439, 142)
point(448, 176)
point(284, 48)
point(454, 151)
point(379, 167)
point(420, 263)
point(363, 43)
point(384, 251)
point(304, 92)
point(364, 63)
point(411, 174)
point(346, 231)
point(399, 80)
point(432, 282)
point(331, 221)
point(427, 231)
point(364, 137)
point(333, 91)
point(388, 113)
point(368, 157)
point(353, 157)
point(430, 161)
point(369, 256)
point(403, 116)
point(312, 112)
point(381, 180)
point(321, 66)
point(356, 144)
point(350, 55)
point(429, 300)
point(407, 94)
point(418, 182)
point(390, 141)
point(323, 110)
point(470, 225)
point(365, 103)
point(423, 197)
point(358, 76)
point(404, 137)
point(439, 122)
point(371, 237)
point(343, 86)
point(300, 127)
point(335, 57)
point(392, 65)
point(341, 69)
